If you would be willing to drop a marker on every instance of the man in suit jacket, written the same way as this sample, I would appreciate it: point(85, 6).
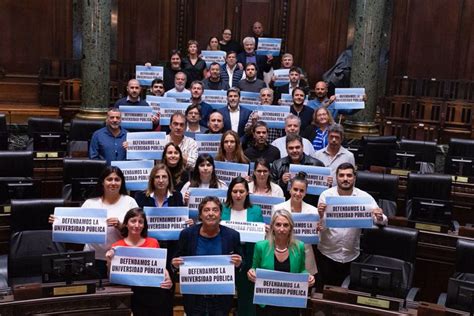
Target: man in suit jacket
point(295, 81)
point(235, 116)
point(264, 63)
point(220, 240)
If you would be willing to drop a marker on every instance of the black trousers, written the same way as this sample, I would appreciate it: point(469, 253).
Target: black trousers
point(330, 272)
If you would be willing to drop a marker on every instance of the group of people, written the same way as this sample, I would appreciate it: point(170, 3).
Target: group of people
point(310, 137)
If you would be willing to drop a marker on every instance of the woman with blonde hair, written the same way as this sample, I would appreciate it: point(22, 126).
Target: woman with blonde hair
point(317, 132)
point(279, 252)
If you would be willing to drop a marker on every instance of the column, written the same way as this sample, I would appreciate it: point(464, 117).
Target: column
point(95, 58)
point(369, 22)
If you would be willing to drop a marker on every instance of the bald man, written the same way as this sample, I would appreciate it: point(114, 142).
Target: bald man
point(133, 95)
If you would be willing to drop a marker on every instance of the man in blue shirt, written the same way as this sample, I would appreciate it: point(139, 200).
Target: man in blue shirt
point(133, 95)
point(107, 143)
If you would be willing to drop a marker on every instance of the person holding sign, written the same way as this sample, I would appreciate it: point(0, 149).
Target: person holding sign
point(298, 188)
point(262, 184)
point(280, 252)
point(203, 176)
point(109, 142)
point(295, 78)
point(173, 159)
point(263, 63)
point(145, 300)
point(317, 132)
point(206, 239)
point(230, 149)
point(296, 155)
point(239, 209)
point(338, 247)
point(110, 194)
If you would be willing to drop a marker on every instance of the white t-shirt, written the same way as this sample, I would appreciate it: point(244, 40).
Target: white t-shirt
point(119, 209)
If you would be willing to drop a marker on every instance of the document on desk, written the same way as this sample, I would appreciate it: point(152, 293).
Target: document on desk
point(79, 225)
point(136, 266)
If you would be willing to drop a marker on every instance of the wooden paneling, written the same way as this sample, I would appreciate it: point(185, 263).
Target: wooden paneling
point(32, 30)
point(432, 39)
point(317, 34)
point(146, 29)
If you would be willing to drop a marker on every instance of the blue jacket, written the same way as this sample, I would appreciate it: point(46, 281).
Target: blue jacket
point(243, 119)
point(187, 246)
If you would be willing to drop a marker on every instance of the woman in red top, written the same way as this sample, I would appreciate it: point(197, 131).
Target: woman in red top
point(145, 300)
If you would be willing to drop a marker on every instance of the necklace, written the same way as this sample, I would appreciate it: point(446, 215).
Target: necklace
point(281, 250)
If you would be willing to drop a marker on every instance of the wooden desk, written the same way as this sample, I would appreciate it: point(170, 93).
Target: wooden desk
point(112, 300)
point(319, 306)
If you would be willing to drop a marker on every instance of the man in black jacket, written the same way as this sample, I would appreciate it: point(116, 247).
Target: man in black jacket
point(296, 156)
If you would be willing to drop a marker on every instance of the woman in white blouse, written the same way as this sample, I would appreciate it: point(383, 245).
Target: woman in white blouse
point(298, 188)
point(262, 184)
point(204, 176)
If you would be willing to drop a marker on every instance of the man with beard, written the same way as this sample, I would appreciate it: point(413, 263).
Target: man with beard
point(298, 108)
point(179, 83)
point(215, 82)
point(235, 116)
point(230, 71)
point(295, 81)
point(321, 91)
point(296, 156)
point(251, 83)
point(260, 147)
point(107, 143)
point(133, 95)
point(338, 247)
point(197, 89)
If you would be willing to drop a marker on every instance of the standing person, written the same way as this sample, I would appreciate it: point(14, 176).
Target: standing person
point(205, 239)
point(203, 176)
point(227, 44)
point(133, 95)
point(197, 89)
point(295, 81)
point(298, 108)
point(338, 247)
point(295, 204)
point(193, 65)
point(110, 194)
point(230, 149)
point(264, 63)
point(213, 43)
point(322, 100)
point(145, 300)
point(235, 116)
point(292, 126)
point(187, 145)
point(279, 252)
point(237, 207)
point(317, 132)
point(215, 82)
point(334, 154)
point(180, 80)
point(157, 87)
point(262, 184)
point(260, 147)
point(173, 159)
point(230, 71)
point(107, 143)
point(193, 117)
point(215, 125)
point(172, 67)
point(160, 191)
point(251, 83)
